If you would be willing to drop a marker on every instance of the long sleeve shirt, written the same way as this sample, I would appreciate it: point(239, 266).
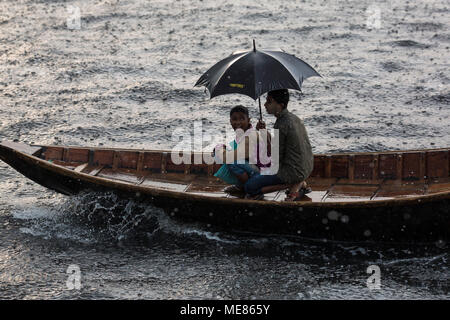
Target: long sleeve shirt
point(296, 160)
point(249, 143)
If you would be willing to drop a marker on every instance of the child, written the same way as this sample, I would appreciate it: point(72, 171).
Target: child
point(245, 153)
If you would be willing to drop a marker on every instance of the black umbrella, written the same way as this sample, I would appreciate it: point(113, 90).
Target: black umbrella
point(256, 72)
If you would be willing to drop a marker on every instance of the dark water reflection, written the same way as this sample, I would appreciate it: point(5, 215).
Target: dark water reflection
point(136, 251)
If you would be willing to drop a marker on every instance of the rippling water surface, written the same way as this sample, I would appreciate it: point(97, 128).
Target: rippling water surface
point(125, 79)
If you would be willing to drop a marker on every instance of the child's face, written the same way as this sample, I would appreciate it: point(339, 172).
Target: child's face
point(239, 120)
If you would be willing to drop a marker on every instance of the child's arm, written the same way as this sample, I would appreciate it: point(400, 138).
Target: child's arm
point(242, 149)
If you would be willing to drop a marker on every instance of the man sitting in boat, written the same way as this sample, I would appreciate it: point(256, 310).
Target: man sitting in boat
point(296, 159)
point(245, 152)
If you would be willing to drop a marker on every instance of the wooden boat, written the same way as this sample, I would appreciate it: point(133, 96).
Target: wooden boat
point(379, 196)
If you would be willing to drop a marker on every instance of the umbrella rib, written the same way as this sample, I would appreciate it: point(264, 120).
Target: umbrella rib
point(268, 53)
point(230, 63)
point(289, 72)
point(204, 79)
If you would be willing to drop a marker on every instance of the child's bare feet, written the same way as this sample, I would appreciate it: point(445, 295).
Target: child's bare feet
point(234, 189)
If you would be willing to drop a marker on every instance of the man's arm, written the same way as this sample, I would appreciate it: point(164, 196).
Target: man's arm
point(282, 140)
point(261, 126)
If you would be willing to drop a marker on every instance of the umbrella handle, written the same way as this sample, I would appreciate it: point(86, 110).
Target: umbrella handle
point(260, 113)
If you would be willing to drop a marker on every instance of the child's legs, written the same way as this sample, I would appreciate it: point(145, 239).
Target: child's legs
point(256, 183)
point(243, 171)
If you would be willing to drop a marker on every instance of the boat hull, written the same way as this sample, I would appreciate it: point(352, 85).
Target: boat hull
point(421, 221)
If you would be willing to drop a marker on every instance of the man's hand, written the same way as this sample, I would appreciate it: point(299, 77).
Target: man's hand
point(260, 125)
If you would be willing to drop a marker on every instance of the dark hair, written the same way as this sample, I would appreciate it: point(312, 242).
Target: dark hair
point(239, 108)
point(280, 96)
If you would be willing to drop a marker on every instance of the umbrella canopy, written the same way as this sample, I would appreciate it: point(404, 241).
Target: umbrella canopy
point(256, 72)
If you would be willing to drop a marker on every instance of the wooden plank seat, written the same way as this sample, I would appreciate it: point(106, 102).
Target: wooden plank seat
point(200, 187)
point(81, 167)
point(92, 170)
point(345, 192)
point(65, 164)
point(400, 189)
point(124, 175)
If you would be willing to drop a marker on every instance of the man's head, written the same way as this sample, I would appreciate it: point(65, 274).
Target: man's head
point(239, 118)
point(276, 101)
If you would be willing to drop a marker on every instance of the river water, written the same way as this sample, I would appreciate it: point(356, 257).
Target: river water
point(122, 75)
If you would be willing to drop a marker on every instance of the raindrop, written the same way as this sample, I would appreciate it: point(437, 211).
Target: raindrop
point(344, 219)
point(211, 214)
point(367, 233)
point(333, 215)
point(440, 244)
point(324, 220)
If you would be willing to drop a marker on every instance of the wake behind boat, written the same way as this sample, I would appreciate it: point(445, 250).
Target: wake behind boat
point(378, 196)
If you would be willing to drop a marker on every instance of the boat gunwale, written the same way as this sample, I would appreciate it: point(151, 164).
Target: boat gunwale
point(199, 152)
point(121, 185)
